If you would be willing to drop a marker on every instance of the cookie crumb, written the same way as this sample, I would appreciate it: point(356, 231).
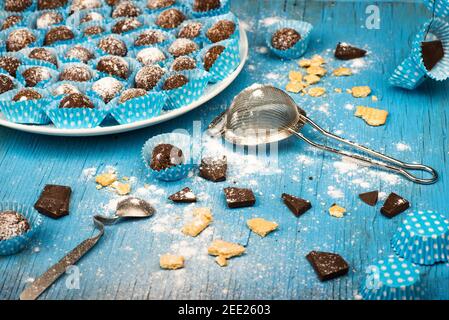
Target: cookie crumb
point(225, 250)
point(221, 261)
point(361, 92)
point(342, 72)
point(337, 211)
point(317, 91)
point(312, 79)
point(106, 179)
point(373, 117)
point(121, 188)
point(316, 70)
point(171, 262)
point(295, 76)
point(202, 219)
point(261, 226)
point(295, 87)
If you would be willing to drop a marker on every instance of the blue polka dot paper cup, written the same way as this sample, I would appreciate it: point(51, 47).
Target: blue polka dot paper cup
point(30, 61)
point(188, 93)
point(181, 141)
point(438, 7)
point(226, 63)
point(138, 109)
point(408, 75)
point(51, 75)
point(211, 21)
point(18, 243)
point(77, 118)
point(423, 238)
point(392, 279)
point(300, 48)
point(25, 112)
point(224, 8)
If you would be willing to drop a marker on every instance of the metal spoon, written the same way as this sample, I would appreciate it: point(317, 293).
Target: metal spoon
point(128, 208)
point(265, 114)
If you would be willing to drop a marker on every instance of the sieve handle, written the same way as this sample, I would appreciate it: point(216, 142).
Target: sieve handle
point(389, 163)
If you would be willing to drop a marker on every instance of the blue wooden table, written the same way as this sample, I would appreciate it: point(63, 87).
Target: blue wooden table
point(125, 265)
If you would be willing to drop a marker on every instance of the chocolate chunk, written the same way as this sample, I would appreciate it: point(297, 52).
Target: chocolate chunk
point(27, 94)
point(76, 100)
point(10, 21)
point(214, 169)
point(54, 201)
point(346, 52)
point(222, 30)
point(184, 196)
point(6, 83)
point(370, 198)
point(165, 156)
point(327, 265)
point(212, 55)
point(285, 38)
point(170, 19)
point(296, 205)
point(175, 81)
point(134, 207)
point(432, 53)
point(12, 224)
point(9, 64)
point(57, 34)
point(205, 5)
point(239, 198)
point(394, 205)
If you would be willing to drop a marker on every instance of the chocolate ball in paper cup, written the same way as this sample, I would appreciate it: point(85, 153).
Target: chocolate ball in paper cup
point(25, 105)
point(17, 38)
point(136, 105)
point(92, 30)
point(83, 52)
point(423, 238)
point(62, 88)
point(171, 166)
point(11, 19)
point(81, 5)
point(118, 67)
point(8, 82)
point(47, 18)
point(92, 15)
point(125, 25)
point(182, 88)
point(438, 7)
point(393, 278)
point(44, 56)
point(192, 29)
point(78, 72)
point(149, 36)
point(150, 55)
point(10, 62)
point(221, 28)
point(77, 111)
point(208, 8)
point(60, 35)
point(289, 39)
point(20, 224)
point(220, 59)
point(36, 75)
point(112, 44)
point(184, 63)
point(18, 5)
point(154, 6)
point(169, 19)
point(108, 88)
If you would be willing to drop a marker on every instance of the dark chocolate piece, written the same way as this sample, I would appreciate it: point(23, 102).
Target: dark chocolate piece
point(432, 53)
point(214, 169)
point(370, 198)
point(50, 4)
point(34, 75)
point(327, 265)
point(394, 205)
point(184, 196)
point(12, 224)
point(183, 63)
point(113, 46)
point(9, 64)
point(134, 207)
point(54, 201)
point(114, 66)
point(239, 198)
point(346, 52)
point(17, 5)
point(43, 55)
point(190, 30)
point(149, 37)
point(296, 205)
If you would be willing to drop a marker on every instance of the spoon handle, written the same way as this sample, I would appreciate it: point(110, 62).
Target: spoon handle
point(42, 283)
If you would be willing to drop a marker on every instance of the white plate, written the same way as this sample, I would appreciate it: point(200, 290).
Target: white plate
point(211, 92)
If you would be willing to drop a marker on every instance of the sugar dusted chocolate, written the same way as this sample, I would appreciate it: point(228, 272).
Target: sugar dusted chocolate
point(76, 100)
point(10, 21)
point(78, 73)
point(17, 5)
point(186, 195)
point(48, 19)
point(57, 34)
point(205, 5)
point(54, 201)
point(214, 168)
point(64, 89)
point(113, 46)
point(43, 54)
point(149, 37)
point(159, 4)
point(6, 83)
point(107, 88)
point(345, 51)
point(10, 64)
point(165, 156)
point(26, 94)
point(175, 81)
point(126, 8)
point(328, 265)
point(93, 30)
point(183, 63)
point(394, 205)
point(296, 205)
point(170, 18)
point(131, 93)
point(148, 77)
point(80, 53)
point(78, 5)
point(114, 66)
point(12, 224)
point(19, 39)
point(112, 2)
point(91, 16)
point(432, 53)
point(34, 75)
point(239, 198)
point(182, 47)
point(191, 30)
point(151, 55)
point(285, 38)
point(126, 25)
point(221, 30)
point(50, 4)
point(212, 55)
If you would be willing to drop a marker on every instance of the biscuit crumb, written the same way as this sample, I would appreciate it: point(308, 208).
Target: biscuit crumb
point(338, 90)
point(342, 72)
point(221, 261)
point(121, 188)
point(171, 262)
point(374, 98)
point(316, 70)
point(261, 226)
point(337, 211)
point(295, 76)
point(349, 91)
point(106, 179)
point(312, 79)
point(295, 87)
point(317, 91)
point(317, 61)
point(202, 219)
point(225, 250)
point(305, 63)
point(373, 117)
point(99, 187)
point(361, 92)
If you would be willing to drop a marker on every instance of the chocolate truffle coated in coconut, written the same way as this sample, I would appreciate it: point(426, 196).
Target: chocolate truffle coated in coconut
point(131, 93)
point(76, 100)
point(183, 63)
point(285, 38)
point(27, 94)
point(11, 21)
point(65, 88)
point(126, 8)
point(206, 5)
point(19, 39)
point(17, 5)
point(48, 19)
point(222, 30)
point(6, 83)
point(78, 5)
point(165, 156)
point(43, 55)
point(113, 46)
point(91, 16)
point(93, 30)
point(56, 34)
point(107, 88)
point(159, 4)
point(212, 55)
point(190, 30)
point(50, 4)
point(150, 55)
point(126, 25)
point(79, 53)
point(182, 47)
point(170, 18)
point(9, 64)
point(12, 224)
point(78, 73)
point(34, 75)
point(149, 37)
point(175, 81)
point(148, 77)
point(114, 66)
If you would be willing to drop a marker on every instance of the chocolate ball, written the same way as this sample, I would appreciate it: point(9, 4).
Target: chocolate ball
point(170, 18)
point(78, 5)
point(150, 55)
point(34, 75)
point(79, 53)
point(126, 8)
point(182, 47)
point(50, 4)
point(114, 66)
point(113, 46)
point(91, 16)
point(190, 30)
point(10, 64)
point(130, 94)
point(165, 156)
point(222, 30)
point(12, 224)
point(43, 55)
point(175, 81)
point(78, 73)
point(112, 2)
point(148, 77)
point(125, 25)
point(19, 39)
point(285, 38)
point(183, 63)
point(56, 34)
point(17, 5)
point(93, 30)
point(48, 19)
point(212, 55)
point(26, 94)
point(65, 88)
point(10, 21)
point(107, 88)
point(76, 100)
point(205, 5)
point(159, 4)
point(6, 83)
point(149, 37)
